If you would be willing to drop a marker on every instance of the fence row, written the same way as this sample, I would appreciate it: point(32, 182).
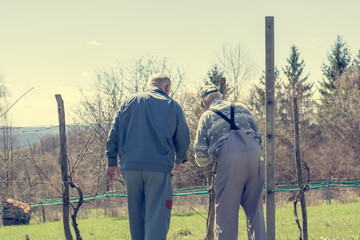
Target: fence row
point(290, 186)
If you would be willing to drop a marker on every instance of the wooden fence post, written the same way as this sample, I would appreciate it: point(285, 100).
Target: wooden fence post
point(210, 224)
point(298, 169)
point(328, 190)
point(270, 129)
point(64, 167)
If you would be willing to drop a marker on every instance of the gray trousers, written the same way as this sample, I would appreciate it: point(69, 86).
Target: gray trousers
point(149, 203)
point(239, 181)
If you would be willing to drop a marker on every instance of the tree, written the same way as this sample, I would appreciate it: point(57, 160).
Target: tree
point(293, 72)
point(7, 142)
point(338, 67)
point(7, 150)
point(138, 71)
point(295, 86)
point(216, 77)
point(256, 100)
point(237, 66)
point(356, 62)
point(342, 118)
point(112, 85)
point(356, 67)
point(340, 128)
point(3, 93)
point(338, 62)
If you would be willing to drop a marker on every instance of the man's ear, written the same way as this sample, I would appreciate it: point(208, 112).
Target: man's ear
point(167, 89)
point(204, 103)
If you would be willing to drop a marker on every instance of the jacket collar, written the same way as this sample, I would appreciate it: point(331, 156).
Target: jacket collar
point(155, 89)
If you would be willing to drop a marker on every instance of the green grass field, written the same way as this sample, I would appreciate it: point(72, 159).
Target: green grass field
point(337, 221)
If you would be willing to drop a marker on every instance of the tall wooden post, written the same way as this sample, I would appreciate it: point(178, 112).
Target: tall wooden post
point(270, 129)
point(298, 169)
point(64, 167)
point(210, 225)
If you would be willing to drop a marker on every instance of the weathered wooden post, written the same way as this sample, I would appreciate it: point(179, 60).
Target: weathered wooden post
point(64, 167)
point(270, 129)
point(210, 224)
point(298, 169)
point(328, 190)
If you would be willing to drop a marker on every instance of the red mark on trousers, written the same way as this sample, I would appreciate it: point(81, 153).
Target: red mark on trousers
point(169, 204)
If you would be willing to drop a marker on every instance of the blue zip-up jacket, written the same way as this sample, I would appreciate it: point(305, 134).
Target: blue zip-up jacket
point(148, 132)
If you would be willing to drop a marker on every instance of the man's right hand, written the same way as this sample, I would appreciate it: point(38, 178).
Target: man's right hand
point(111, 171)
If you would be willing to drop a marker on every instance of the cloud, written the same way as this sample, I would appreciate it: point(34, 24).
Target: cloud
point(93, 43)
point(85, 74)
point(314, 40)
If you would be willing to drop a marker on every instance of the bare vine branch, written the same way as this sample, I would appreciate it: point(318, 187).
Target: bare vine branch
point(15, 102)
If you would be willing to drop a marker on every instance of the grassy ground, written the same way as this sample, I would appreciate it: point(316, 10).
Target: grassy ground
point(337, 221)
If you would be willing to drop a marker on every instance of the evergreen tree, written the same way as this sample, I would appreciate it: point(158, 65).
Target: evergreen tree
point(338, 62)
point(356, 63)
point(297, 86)
point(216, 77)
point(293, 71)
point(256, 99)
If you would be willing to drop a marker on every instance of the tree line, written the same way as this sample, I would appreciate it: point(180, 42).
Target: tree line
point(328, 117)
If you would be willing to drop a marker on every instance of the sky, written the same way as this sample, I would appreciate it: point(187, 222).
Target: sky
point(55, 47)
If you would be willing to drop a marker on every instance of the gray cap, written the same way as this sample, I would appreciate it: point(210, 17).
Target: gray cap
point(207, 90)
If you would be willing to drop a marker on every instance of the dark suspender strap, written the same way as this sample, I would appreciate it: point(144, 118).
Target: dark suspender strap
point(232, 121)
point(232, 124)
point(221, 115)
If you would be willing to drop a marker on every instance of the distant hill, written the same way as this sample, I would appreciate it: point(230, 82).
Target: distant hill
point(30, 135)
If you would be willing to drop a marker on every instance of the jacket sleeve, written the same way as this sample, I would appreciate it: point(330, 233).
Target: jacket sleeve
point(181, 138)
point(112, 143)
point(201, 144)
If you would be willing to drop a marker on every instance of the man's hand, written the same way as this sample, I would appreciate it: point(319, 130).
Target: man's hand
point(110, 172)
point(177, 167)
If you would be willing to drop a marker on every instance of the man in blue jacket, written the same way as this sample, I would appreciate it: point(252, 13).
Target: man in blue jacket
point(149, 135)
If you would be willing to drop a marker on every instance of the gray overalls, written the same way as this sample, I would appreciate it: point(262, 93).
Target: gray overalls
point(239, 181)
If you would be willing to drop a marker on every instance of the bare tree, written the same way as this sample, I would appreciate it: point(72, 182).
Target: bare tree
point(7, 165)
point(3, 92)
point(237, 66)
point(139, 70)
point(6, 143)
point(111, 86)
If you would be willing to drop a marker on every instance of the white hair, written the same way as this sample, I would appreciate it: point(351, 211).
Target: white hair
point(158, 80)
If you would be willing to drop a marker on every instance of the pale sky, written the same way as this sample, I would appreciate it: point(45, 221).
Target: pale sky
point(56, 46)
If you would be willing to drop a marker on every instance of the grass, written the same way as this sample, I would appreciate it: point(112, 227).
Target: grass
point(337, 221)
